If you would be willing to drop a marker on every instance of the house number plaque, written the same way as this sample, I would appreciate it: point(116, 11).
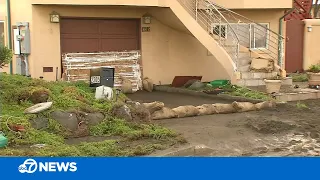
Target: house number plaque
point(145, 29)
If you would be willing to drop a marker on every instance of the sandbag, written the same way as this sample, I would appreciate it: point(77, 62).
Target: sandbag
point(207, 109)
point(126, 86)
point(265, 105)
point(224, 108)
point(164, 113)
point(186, 111)
point(244, 106)
point(147, 84)
point(154, 106)
point(197, 85)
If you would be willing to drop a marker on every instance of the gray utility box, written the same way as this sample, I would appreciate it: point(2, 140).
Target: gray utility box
point(102, 77)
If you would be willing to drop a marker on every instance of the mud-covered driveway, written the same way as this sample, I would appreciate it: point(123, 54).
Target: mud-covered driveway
point(288, 130)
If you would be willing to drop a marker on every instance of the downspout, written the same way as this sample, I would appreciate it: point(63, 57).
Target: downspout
point(9, 31)
point(280, 43)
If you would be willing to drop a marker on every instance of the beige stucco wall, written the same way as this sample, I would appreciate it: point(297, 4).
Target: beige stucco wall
point(255, 4)
point(311, 43)
point(231, 4)
point(168, 50)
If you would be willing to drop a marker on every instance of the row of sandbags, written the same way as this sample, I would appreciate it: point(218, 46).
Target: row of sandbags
point(208, 109)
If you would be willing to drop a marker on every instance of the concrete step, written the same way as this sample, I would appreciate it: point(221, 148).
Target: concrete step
point(244, 62)
point(245, 68)
point(260, 82)
point(244, 55)
point(257, 75)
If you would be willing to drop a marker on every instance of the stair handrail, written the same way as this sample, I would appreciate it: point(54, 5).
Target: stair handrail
point(229, 26)
point(206, 20)
point(253, 22)
point(274, 40)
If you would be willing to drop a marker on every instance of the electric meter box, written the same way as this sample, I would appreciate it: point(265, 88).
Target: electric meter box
point(102, 77)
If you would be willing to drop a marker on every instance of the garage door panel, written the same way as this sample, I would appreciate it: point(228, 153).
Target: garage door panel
point(80, 45)
point(80, 36)
point(118, 44)
point(80, 27)
point(99, 35)
point(119, 27)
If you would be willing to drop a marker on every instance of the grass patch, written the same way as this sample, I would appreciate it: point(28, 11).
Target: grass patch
point(15, 93)
point(301, 105)
point(249, 93)
point(299, 77)
point(238, 91)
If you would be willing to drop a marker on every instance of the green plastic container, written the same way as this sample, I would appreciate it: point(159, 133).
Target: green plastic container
point(219, 83)
point(3, 140)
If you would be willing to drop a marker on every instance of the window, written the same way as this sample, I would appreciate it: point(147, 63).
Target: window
point(259, 36)
point(251, 36)
point(219, 29)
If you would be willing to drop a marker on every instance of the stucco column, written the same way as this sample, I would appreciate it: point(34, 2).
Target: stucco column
point(308, 46)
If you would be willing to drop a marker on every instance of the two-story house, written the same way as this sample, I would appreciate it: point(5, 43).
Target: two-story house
point(159, 39)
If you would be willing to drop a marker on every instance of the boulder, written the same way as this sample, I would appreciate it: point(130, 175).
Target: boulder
point(207, 109)
point(122, 112)
point(104, 92)
point(224, 108)
point(147, 84)
point(197, 85)
point(244, 106)
point(94, 118)
point(265, 105)
point(186, 111)
point(164, 113)
point(262, 65)
point(140, 113)
point(38, 108)
point(67, 120)
point(154, 106)
point(126, 86)
point(39, 96)
point(82, 130)
point(39, 123)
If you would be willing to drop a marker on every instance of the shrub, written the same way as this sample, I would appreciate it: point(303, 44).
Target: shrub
point(5, 55)
point(314, 68)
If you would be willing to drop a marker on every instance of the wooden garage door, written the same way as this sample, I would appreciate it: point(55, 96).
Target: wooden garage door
point(91, 35)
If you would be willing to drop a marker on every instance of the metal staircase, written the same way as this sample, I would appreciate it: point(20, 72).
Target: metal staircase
point(238, 35)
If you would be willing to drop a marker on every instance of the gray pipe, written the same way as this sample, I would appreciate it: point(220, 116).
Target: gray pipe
point(9, 31)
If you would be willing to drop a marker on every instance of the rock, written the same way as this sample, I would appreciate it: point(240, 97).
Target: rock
point(154, 106)
point(39, 123)
point(265, 105)
point(38, 108)
point(82, 130)
point(197, 85)
point(67, 120)
point(122, 112)
point(39, 146)
point(244, 106)
point(224, 108)
point(104, 92)
point(94, 118)
point(190, 82)
point(164, 113)
point(39, 96)
point(126, 85)
point(207, 109)
point(262, 65)
point(186, 111)
point(147, 84)
point(140, 114)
